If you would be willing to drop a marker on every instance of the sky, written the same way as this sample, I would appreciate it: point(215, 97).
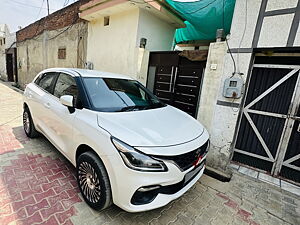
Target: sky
point(17, 13)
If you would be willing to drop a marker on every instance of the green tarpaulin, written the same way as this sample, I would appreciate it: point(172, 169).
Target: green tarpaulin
point(203, 18)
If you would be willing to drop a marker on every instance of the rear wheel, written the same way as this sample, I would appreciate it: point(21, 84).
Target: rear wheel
point(28, 125)
point(93, 181)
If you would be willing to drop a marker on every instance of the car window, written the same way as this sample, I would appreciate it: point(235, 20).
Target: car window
point(66, 85)
point(45, 82)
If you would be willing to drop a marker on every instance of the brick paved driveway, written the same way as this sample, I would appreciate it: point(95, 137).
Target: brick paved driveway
point(38, 186)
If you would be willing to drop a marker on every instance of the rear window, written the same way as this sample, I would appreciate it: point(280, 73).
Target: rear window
point(45, 81)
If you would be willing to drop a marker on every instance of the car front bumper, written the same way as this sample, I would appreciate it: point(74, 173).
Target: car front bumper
point(125, 182)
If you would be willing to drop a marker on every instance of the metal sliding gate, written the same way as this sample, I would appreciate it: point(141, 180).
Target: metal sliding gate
point(269, 132)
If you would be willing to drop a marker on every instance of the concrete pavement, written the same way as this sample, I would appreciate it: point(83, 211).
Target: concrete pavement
point(38, 186)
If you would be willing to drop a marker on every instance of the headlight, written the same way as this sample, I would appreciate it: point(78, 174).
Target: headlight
point(136, 160)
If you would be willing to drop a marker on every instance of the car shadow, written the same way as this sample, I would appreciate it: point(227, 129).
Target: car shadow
point(20, 135)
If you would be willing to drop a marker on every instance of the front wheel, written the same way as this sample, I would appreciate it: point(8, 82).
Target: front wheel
point(93, 181)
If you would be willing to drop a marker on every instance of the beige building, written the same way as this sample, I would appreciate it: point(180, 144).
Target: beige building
point(122, 33)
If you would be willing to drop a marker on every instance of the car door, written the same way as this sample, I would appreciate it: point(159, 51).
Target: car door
point(61, 117)
point(38, 91)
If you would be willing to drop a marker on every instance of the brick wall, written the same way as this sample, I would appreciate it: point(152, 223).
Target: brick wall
point(57, 20)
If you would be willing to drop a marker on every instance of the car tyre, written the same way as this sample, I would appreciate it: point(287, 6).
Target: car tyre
point(28, 125)
point(93, 181)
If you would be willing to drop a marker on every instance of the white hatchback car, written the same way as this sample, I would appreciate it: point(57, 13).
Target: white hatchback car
point(128, 147)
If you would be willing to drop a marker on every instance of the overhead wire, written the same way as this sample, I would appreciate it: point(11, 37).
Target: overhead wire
point(71, 25)
point(40, 10)
point(10, 46)
point(37, 32)
point(25, 4)
point(229, 50)
point(74, 22)
point(39, 22)
point(234, 64)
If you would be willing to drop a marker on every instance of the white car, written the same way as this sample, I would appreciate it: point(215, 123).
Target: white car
point(128, 147)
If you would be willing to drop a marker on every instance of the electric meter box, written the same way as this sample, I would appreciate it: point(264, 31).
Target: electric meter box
point(233, 87)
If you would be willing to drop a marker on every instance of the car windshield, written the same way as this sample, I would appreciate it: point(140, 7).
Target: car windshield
point(119, 95)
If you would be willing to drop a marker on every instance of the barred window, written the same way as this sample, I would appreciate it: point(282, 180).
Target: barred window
point(62, 53)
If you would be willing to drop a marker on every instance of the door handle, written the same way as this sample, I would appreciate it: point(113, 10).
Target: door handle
point(171, 80)
point(175, 79)
point(298, 130)
point(47, 105)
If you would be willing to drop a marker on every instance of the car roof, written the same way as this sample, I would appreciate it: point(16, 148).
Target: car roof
point(88, 73)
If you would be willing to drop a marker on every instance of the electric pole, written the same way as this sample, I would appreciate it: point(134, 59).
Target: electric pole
point(48, 7)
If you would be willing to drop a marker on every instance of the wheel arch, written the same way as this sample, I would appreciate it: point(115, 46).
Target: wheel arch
point(82, 148)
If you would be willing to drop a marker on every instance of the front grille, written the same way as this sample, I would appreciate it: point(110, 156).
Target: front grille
point(185, 161)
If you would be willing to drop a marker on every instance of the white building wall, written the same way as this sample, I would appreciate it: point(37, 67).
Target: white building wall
point(275, 31)
point(158, 33)
point(280, 4)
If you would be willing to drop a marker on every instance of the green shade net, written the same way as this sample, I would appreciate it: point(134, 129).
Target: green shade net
point(203, 18)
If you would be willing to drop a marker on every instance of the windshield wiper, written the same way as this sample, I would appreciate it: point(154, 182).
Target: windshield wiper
point(139, 107)
point(131, 108)
point(155, 105)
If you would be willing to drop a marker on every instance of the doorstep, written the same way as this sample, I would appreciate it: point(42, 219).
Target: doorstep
point(284, 185)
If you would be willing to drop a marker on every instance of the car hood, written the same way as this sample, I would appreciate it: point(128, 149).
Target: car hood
point(154, 127)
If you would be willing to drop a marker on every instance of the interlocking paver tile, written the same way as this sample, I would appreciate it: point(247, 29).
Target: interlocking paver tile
point(29, 194)
point(51, 221)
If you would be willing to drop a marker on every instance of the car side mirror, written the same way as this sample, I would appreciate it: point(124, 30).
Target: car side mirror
point(67, 100)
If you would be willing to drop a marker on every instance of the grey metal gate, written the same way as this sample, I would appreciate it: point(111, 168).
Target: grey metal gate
point(269, 131)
